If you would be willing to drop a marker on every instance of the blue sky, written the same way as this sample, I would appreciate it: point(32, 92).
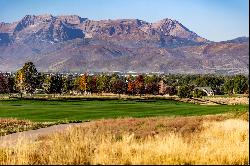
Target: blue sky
point(215, 20)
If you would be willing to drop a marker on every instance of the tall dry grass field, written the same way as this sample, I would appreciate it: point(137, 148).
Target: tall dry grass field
point(196, 140)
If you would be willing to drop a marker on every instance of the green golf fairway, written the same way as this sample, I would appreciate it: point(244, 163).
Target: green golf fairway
point(42, 110)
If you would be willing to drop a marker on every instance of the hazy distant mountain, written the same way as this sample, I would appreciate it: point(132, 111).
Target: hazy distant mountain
point(72, 43)
point(238, 40)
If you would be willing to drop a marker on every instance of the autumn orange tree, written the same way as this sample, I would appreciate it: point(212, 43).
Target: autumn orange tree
point(20, 83)
point(139, 85)
point(130, 85)
point(83, 82)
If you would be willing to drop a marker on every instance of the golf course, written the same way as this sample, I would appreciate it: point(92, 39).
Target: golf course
point(55, 110)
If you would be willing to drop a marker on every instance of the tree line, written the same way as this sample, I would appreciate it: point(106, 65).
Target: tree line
point(29, 80)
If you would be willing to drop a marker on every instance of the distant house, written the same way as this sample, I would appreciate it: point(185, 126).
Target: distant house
point(207, 90)
point(39, 91)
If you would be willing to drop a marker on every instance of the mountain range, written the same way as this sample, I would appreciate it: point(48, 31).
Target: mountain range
point(74, 44)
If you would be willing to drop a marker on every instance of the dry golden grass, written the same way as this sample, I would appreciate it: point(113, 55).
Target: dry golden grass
point(190, 140)
point(229, 100)
point(244, 115)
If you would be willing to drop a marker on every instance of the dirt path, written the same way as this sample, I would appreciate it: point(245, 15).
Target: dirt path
point(12, 139)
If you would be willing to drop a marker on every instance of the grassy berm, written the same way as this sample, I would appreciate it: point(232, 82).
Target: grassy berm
point(212, 139)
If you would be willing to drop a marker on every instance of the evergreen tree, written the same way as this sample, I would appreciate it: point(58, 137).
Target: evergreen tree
point(53, 84)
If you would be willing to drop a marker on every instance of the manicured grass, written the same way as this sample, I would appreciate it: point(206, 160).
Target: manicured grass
point(39, 110)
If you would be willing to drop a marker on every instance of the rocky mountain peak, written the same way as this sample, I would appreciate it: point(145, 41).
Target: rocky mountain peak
point(45, 18)
point(64, 32)
point(25, 22)
point(71, 43)
point(134, 30)
point(164, 23)
point(174, 28)
point(72, 19)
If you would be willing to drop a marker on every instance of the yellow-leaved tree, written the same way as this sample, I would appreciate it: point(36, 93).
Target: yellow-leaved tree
point(83, 82)
point(26, 78)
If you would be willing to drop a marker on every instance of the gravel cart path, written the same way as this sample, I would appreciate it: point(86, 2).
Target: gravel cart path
point(12, 139)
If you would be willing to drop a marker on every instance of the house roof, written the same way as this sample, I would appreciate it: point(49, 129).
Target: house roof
point(208, 89)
